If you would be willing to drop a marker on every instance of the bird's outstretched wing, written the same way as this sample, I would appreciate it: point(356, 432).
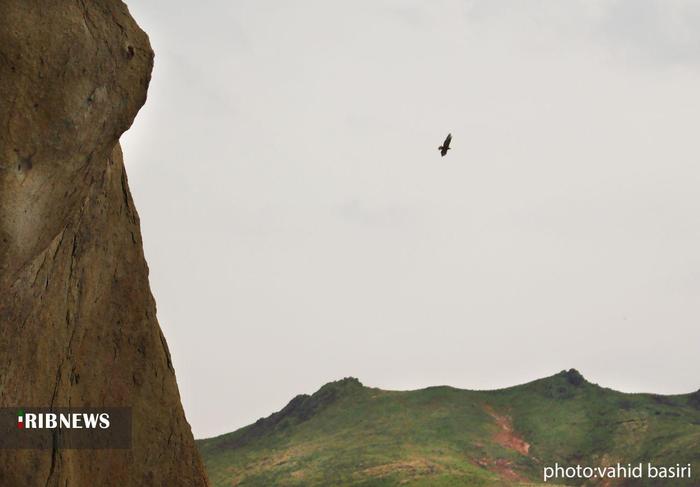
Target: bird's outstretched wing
point(446, 144)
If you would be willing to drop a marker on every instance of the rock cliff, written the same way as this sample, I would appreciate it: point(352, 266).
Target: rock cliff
point(77, 319)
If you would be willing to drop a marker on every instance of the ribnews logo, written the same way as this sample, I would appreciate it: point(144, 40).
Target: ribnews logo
point(68, 428)
point(67, 421)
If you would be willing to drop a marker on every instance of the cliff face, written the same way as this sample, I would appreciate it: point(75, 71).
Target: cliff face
point(77, 320)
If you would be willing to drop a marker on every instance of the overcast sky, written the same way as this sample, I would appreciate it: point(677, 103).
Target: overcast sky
point(301, 226)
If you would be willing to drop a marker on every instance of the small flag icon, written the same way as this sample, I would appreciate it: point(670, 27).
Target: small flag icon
point(20, 419)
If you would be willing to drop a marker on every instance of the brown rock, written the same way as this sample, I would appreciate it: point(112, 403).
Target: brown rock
point(77, 320)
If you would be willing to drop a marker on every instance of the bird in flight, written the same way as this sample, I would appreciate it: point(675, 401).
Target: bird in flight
point(445, 145)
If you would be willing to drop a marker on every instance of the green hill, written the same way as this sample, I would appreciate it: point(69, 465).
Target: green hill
point(348, 434)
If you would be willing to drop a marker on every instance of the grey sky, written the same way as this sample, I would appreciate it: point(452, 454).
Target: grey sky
point(300, 225)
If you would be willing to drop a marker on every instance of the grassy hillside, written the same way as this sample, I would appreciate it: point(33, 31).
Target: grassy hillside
point(348, 434)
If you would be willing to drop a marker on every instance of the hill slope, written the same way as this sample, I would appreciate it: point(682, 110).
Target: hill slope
point(348, 434)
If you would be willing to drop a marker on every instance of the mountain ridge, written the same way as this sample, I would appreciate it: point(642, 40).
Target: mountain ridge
point(349, 434)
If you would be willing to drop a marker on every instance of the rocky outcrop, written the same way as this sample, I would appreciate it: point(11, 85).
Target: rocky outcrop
point(77, 320)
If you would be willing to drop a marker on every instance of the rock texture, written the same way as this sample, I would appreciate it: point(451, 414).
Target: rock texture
point(77, 320)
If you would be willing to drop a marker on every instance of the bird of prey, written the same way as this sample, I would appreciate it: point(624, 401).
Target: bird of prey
point(445, 145)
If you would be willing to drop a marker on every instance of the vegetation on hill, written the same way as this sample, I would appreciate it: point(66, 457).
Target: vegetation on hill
point(348, 434)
